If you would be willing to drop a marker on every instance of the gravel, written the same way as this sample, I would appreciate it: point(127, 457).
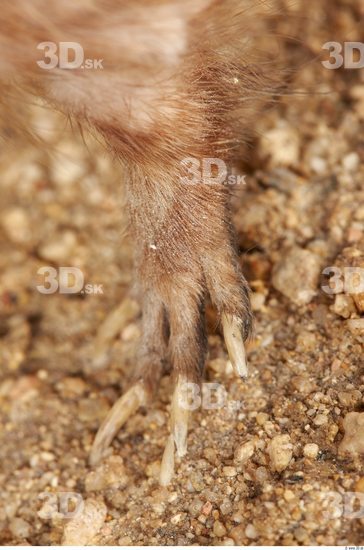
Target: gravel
point(353, 441)
point(280, 452)
point(81, 529)
point(297, 275)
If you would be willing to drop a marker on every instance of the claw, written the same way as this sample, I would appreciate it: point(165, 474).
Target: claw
point(117, 416)
point(179, 429)
point(235, 344)
point(167, 466)
point(110, 328)
point(179, 416)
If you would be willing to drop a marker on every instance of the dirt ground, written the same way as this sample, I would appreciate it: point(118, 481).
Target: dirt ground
point(275, 464)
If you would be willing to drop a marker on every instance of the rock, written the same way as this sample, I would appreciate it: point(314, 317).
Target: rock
point(72, 386)
point(300, 534)
point(226, 507)
point(20, 528)
point(93, 409)
point(281, 144)
point(195, 507)
point(288, 495)
point(353, 442)
point(343, 306)
point(227, 542)
point(303, 384)
point(356, 326)
point(257, 300)
point(16, 225)
point(112, 325)
point(262, 418)
point(59, 249)
point(359, 301)
point(66, 167)
point(320, 420)
point(207, 508)
point(229, 471)
point(296, 276)
point(351, 162)
point(82, 528)
point(244, 452)
point(47, 456)
point(125, 541)
point(350, 262)
point(261, 474)
point(349, 398)
point(306, 341)
point(109, 475)
point(238, 535)
point(217, 365)
point(219, 529)
point(311, 450)
point(359, 486)
point(357, 94)
point(280, 452)
point(355, 232)
point(178, 518)
point(130, 332)
point(251, 531)
point(318, 165)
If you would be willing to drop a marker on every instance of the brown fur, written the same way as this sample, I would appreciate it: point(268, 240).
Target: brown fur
point(181, 79)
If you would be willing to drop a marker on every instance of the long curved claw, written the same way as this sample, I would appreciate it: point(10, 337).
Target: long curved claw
point(179, 416)
point(117, 416)
point(167, 466)
point(117, 319)
point(179, 429)
point(235, 344)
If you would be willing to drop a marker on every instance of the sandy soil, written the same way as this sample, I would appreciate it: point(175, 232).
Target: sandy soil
point(275, 464)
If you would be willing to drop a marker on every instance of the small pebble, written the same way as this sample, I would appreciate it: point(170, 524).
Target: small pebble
point(229, 471)
point(59, 249)
point(351, 162)
point(81, 529)
point(353, 442)
point(251, 531)
point(280, 452)
point(343, 306)
point(109, 474)
point(219, 529)
point(16, 225)
point(228, 542)
point(359, 486)
point(125, 541)
point(350, 398)
point(320, 420)
point(207, 508)
point(296, 276)
point(288, 495)
point(356, 326)
point(244, 452)
point(281, 144)
point(311, 450)
point(20, 528)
